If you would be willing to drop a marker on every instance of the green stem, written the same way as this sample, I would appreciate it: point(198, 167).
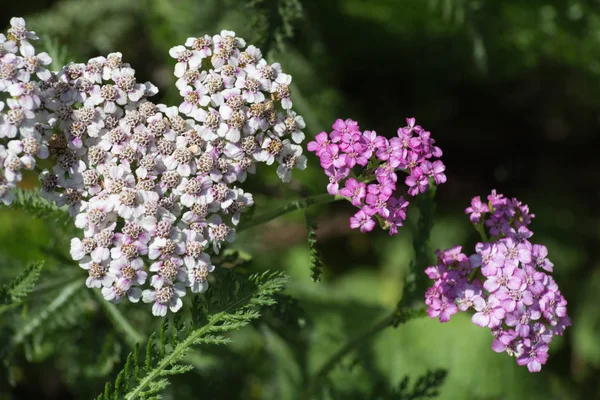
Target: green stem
point(35, 322)
point(394, 319)
point(400, 314)
point(416, 280)
point(343, 351)
point(182, 347)
point(175, 355)
point(54, 284)
point(370, 177)
point(306, 202)
point(119, 321)
point(481, 230)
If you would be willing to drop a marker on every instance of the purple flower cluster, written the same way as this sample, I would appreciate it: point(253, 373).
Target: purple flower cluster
point(412, 151)
point(506, 282)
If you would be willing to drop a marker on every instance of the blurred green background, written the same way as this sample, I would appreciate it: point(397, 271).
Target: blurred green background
point(509, 89)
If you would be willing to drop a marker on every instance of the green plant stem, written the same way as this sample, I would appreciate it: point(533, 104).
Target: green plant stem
point(401, 314)
point(119, 321)
point(396, 318)
point(481, 230)
point(175, 355)
point(182, 347)
point(347, 348)
point(33, 323)
point(295, 205)
point(55, 284)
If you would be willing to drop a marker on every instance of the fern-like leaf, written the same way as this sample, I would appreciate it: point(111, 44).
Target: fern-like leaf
point(426, 386)
point(52, 315)
point(62, 312)
point(273, 22)
point(313, 253)
point(58, 52)
point(18, 288)
point(232, 258)
point(109, 356)
point(163, 359)
point(107, 21)
point(35, 205)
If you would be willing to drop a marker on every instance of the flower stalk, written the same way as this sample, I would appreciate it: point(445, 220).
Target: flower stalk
point(295, 205)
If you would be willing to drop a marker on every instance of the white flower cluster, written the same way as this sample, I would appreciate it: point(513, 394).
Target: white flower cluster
point(153, 191)
point(21, 72)
point(242, 102)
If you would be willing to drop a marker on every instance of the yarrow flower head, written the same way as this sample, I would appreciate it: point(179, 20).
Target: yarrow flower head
point(151, 187)
point(241, 103)
point(23, 73)
point(506, 282)
point(377, 193)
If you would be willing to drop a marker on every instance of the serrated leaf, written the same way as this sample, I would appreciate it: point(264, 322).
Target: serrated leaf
point(161, 360)
point(425, 386)
point(31, 202)
point(313, 253)
point(177, 369)
point(47, 313)
point(288, 375)
point(22, 285)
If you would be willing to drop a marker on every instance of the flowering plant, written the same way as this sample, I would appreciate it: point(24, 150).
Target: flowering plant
point(506, 282)
point(154, 195)
point(146, 186)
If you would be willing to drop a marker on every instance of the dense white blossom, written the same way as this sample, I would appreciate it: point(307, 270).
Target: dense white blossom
point(22, 76)
point(150, 186)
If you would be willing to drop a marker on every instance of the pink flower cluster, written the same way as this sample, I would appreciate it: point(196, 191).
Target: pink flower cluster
point(412, 151)
point(506, 282)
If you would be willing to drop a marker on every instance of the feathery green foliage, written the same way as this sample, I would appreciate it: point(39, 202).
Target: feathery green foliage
point(314, 255)
point(401, 316)
point(137, 381)
point(108, 358)
point(32, 203)
point(425, 387)
point(18, 288)
point(62, 310)
point(397, 317)
point(538, 30)
point(106, 23)
point(59, 53)
point(273, 22)
point(61, 313)
point(519, 45)
point(232, 258)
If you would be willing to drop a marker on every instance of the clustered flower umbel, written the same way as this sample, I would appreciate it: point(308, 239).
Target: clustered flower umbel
point(506, 282)
point(22, 72)
point(153, 191)
point(242, 102)
point(412, 151)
